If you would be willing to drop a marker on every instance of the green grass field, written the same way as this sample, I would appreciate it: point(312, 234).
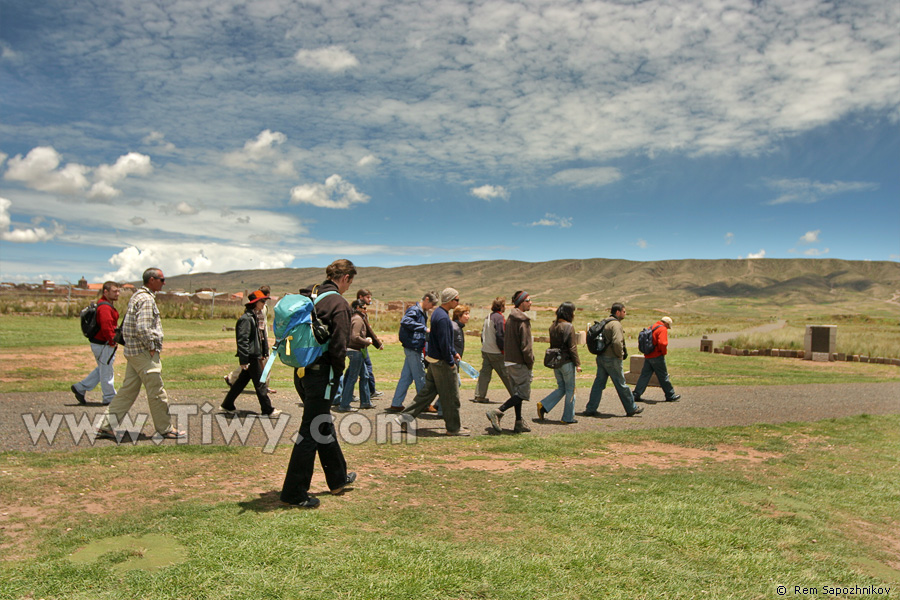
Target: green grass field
point(672, 513)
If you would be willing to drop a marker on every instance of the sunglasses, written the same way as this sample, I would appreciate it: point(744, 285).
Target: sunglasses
point(163, 279)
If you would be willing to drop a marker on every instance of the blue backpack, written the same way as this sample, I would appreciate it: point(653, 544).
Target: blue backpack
point(300, 338)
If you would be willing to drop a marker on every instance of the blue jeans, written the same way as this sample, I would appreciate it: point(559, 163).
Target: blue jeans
point(104, 374)
point(610, 367)
point(565, 386)
point(413, 372)
point(356, 369)
point(371, 374)
point(656, 365)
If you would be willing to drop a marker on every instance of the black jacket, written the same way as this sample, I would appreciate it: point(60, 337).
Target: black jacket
point(249, 343)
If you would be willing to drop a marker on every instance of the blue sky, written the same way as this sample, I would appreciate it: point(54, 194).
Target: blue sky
point(212, 135)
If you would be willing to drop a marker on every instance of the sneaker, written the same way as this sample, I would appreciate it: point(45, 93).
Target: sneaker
point(341, 409)
point(377, 394)
point(272, 415)
point(228, 411)
point(541, 411)
point(569, 422)
point(674, 398)
point(351, 477)
point(368, 406)
point(461, 432)
point(78, 395)
point(592, 413)
point(308, 503)
point(521, 427)
point(494, 415)
point(637, 398)
point(637, 410)
point(480, 401)
point(105, 434)
point(396, 409)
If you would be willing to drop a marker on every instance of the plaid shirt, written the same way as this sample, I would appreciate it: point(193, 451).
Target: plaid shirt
point(142, 327)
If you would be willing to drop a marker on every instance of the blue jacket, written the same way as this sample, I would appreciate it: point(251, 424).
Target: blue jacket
point(412, 328)
point(440, 340)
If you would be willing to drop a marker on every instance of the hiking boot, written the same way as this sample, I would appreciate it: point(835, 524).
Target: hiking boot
point(494, 415)
point(394, 409)
point(351, 477)
point(78, 395)
point(308, 503)
point(637, 410)
point(541, 411)
point(521, 427)
point(480, 401)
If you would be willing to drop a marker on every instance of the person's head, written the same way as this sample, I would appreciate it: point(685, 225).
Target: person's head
point(617, 310)
point(110, 291)
point(429, 300)
point(154, 279)
point(498, 305)
point(358, 304)
point(521, 300)
point(256, 300)
point(667, 321)
point(364, 295)
point(449, 299)
point(565, 312)
point(265, 290)
point(341, 272)
point(461, 314)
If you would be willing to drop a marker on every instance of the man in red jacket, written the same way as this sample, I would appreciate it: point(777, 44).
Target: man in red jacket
point(103, 346)
point(655, 362)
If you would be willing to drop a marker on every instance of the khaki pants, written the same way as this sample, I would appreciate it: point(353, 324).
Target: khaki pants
point(146, 371)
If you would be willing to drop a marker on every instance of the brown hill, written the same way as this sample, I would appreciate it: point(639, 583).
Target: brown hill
point(597, 282)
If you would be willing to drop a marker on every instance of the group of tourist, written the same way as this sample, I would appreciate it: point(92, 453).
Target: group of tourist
point(432, 356)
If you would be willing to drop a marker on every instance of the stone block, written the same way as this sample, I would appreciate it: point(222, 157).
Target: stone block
point(707, 345)
point(863, 359)
point(819, 338)
point(727, 349)
point(820, 356)
point(636, 363)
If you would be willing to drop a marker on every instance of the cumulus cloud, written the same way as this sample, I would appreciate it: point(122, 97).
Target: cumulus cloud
point(158, 139)
point(106, 176)
point(810, 237)
point(260, 149)
point(815, 252)
point(183, 208)
point(729, 237)
point(760, 254)
point(333, 59)
point(641, 243)
point(369, 160)
point(39, 170)
point(804, 191)
point(591, 177)
point(335, 193)
point(551, 220)
point(20, 235)
point(490, 192)
point(182, 258)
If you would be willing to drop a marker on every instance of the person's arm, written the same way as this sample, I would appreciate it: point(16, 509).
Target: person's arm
point(573, 347)
point(107, 321)
point(410, 322)
point(499, 329)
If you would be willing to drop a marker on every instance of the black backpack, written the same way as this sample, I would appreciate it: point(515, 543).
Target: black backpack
point(89, 325)
point(645, 340)
point(596, 343)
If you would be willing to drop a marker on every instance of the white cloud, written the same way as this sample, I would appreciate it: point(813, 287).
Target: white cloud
point(760, 254)
point(729, 237)
point(39, 170)
point(187, 257)
point(815, 252)
point(3, 157)
point(641, 243)
point(19, 235)
point(551, 220)
point(158, 139)
point(804, 191)
point(369, 160)
point(490, 192)
point(106, 176)
point(255, 151)
point(183, 208)
point(591, 177)
point(137, 221)
point(333, 58)
point(335, 193)
point(810, 237)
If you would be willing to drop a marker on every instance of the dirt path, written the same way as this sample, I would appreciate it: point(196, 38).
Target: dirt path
point(710, 406)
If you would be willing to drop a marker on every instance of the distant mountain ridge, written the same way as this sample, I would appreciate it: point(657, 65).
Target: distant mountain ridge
point(595, 282)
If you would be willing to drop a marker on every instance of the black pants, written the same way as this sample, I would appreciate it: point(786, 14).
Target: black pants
point(317, 436)
point(252, 372)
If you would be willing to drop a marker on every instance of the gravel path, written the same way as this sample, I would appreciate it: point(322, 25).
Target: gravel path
point(709, 406)
point(718, 338)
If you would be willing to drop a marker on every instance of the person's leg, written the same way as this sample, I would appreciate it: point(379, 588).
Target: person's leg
point(370, 376)
point(646, 373)
point(92, 378)
point(597, 388)
point(106, 363)
point(417, 368)
point(568, 375)
point(406, 378)
point(311, 387)
point(240, 382)
point(658, 365)
point(157, 399)
point(617, 374)
point(125, 397)
point(351, 374)
point(262, 390)
point(331, 457)
point(447, 382)
point(551, 399)
point(484, 377)
point(424, 397)
point(500, 367)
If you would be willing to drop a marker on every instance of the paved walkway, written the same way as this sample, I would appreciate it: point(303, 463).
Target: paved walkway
point(709, 406)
